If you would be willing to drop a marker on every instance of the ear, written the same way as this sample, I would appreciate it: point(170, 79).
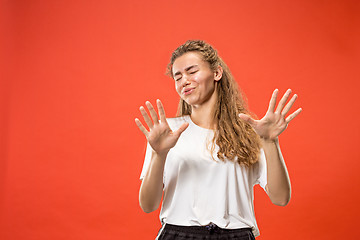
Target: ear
point(218, 73)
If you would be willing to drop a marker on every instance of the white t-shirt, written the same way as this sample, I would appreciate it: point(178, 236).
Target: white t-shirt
point(199, 190)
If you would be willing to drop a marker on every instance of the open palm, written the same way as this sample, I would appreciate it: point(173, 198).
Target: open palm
point(275, 121)
point(160, 137)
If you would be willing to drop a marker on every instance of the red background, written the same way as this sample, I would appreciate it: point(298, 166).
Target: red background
point(74, 73)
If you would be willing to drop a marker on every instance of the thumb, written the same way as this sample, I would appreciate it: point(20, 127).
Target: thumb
point(181, 129)
point(247, 118)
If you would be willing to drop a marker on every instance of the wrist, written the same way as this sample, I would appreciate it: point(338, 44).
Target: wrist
point(161, 155)
point(269, 141)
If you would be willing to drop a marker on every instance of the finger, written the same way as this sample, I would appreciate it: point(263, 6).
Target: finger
point(289, 105)
point(141, 127)
point(273, 101)
point(153, 113)
point(247, 119)
point(146, 117)
point(181, 129)
point(283, 101)
point(161, 110)
point(293, 115)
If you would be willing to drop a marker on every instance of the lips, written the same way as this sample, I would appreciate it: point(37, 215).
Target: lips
point(188, 91)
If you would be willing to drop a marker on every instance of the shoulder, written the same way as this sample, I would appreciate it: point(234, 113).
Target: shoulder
point(176, 122)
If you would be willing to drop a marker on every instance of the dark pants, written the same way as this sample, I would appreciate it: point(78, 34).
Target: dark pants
point(209, 232)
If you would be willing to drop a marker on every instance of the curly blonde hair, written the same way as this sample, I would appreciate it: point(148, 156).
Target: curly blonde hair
point(236, 139)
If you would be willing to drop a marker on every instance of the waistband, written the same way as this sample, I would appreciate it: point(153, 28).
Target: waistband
point(208, 229)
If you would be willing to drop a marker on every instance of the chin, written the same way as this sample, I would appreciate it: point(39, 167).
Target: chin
point(191, 103)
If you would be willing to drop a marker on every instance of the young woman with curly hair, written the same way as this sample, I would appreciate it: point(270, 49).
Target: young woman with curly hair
point(207, 160)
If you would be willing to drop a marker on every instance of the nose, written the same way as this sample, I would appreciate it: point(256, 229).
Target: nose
point(185, 80)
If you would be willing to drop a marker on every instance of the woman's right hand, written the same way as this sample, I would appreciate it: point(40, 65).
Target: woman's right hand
point(160, 137)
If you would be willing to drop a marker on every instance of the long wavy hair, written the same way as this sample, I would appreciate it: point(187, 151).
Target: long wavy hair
point(236, 139)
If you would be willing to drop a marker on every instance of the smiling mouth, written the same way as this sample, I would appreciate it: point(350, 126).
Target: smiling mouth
point(188, 91)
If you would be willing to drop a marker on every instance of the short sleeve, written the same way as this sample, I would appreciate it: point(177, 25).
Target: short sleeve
point(147, 160)
point(261, 170)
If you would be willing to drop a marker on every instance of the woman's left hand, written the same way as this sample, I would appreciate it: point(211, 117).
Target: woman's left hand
point(274, 121)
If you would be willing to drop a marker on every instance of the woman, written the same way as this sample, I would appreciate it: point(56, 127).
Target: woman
point(207, 160)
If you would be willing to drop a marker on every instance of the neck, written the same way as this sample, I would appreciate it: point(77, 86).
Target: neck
point(203, 115)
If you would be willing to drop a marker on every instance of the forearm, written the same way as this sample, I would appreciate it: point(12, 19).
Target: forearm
point(278, 182)
point(152, 185)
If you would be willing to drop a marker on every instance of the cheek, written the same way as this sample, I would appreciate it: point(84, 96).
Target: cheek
point(203, 79)
point(196, 79)
point(177, 86)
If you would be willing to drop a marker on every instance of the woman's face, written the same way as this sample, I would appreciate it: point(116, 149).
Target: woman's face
point(194, 79)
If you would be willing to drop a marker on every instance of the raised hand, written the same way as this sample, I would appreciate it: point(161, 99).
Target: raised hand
point(274, 121)
point(160, 137)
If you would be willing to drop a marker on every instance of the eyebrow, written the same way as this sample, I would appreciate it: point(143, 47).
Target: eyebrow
point(186, 69)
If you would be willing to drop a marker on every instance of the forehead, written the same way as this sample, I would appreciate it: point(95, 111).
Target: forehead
point(186, 60)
